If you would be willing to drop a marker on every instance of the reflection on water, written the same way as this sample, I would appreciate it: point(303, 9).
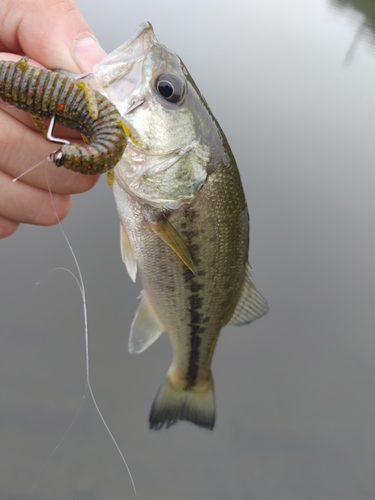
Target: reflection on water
point(295, 392)
point(366, 27)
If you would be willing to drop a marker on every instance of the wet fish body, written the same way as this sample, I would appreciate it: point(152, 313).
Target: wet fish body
point(183, 220)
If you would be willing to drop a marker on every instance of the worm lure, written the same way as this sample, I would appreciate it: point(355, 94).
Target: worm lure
point(74, 104)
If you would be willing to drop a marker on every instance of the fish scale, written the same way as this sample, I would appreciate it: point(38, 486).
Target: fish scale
point(183, 220)
point(172, 287)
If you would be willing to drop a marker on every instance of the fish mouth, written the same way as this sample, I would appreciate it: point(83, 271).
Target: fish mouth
point(119, 63)
point(119, 76)
point(133, 106)
point(143, 33)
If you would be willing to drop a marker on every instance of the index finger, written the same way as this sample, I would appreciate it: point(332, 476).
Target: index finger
point(52, 32)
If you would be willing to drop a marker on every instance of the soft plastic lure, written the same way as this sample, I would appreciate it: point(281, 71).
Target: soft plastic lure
point(74, 104)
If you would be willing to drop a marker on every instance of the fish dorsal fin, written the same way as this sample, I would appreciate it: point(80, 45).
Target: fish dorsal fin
point(164, 229)
point(145, 328)
point(250, 306)
point(127, 252)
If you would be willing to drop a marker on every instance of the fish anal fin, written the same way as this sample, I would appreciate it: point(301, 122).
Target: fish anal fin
point(145, 329)
point(250, 306)
point(164, 229)
point(127, 253)
point(173, 403)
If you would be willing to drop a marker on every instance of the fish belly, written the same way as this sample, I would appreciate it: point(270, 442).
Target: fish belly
point(193, 309)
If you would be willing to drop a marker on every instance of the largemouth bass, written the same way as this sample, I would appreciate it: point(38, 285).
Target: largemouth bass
point(183, 221)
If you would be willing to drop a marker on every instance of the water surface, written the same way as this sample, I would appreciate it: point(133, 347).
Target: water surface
point(295, 391)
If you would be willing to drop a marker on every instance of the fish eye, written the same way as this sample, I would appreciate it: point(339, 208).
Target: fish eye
point(170, 88)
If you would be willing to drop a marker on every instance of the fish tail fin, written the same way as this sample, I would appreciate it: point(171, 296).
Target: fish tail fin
point(172, 404)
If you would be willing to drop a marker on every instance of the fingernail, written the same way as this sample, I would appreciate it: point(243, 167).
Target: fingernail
point(86, 52)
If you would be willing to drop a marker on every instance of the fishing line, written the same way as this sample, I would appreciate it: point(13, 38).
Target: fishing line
point(29, 170)
point(81, 286)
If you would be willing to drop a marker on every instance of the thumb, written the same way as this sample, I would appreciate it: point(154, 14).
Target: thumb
point(52, 32)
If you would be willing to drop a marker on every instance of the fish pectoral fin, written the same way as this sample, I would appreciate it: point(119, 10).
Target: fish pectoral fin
point(127, 253)
point(250, 306)
point(164, 229)
point(145, 328)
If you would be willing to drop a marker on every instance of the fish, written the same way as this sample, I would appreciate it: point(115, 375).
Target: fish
point(184, 222)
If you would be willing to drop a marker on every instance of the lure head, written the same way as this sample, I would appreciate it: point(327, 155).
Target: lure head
point(57, 157)
point(179, 140)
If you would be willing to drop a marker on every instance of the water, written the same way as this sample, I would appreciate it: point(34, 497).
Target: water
point(295, 391)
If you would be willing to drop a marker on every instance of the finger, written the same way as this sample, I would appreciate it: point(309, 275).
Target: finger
point(20, 202)
point(22, 148)
point(49, 32)
point(7, 227)
point(25, 118)
point(9, 56)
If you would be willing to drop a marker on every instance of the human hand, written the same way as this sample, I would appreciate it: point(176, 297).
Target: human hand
point(53, 34)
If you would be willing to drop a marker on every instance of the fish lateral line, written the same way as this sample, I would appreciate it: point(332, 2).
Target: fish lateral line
point(182, 185)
